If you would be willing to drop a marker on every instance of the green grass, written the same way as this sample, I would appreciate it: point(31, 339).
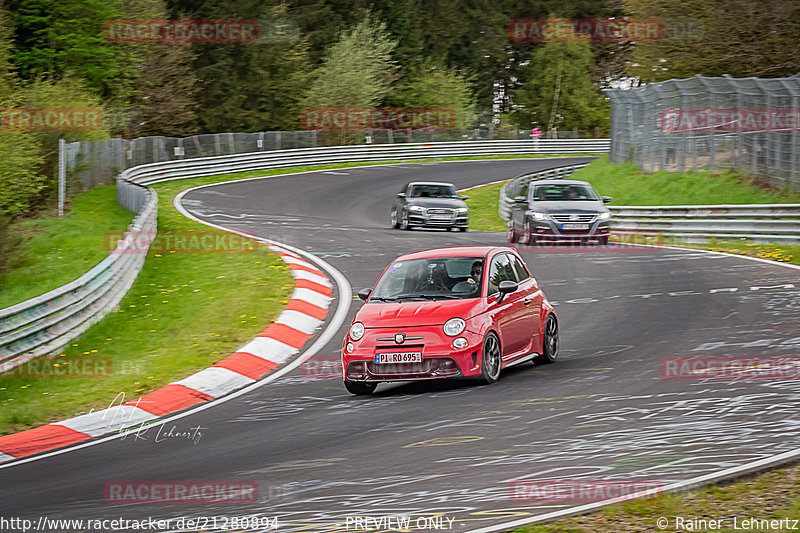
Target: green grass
point(185, 312)
point(772, 495)
point(51, 252)
point(628, 186)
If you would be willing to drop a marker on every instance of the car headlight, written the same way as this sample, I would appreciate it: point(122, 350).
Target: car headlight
point(356, 331)
point(462, 210)
point(416, 208)
point(454, 326)
point(538, 216)
point(604, 216)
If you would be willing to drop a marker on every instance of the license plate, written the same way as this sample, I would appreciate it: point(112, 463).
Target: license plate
point(574, 226)
point(440, 217)
point(402, 357)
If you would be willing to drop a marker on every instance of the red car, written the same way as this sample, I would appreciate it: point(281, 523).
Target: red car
point(463, 312)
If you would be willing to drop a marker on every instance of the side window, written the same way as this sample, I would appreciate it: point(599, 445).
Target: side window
point(519, 268)
point(500, 270)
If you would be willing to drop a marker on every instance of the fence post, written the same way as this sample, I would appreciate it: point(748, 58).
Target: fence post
point(62, 175)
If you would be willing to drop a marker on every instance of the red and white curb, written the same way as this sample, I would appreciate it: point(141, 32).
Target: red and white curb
point(273, 347)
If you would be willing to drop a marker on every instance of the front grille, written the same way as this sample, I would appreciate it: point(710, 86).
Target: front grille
point(439, 211)
point(573, 217)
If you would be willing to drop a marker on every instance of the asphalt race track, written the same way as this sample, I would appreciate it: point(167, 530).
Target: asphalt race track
point(604, 411)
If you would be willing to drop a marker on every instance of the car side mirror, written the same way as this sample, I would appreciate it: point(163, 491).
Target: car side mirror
point(464, 197)
point(401, 195)
point(520, 199)
point(364, 294)
point(607, 199)
point(506, 287)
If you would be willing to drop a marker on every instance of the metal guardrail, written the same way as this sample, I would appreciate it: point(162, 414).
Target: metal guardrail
point(44, 324)
point(47, 323)
point(755, 223)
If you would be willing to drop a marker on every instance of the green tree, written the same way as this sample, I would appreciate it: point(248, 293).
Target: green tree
point(559, 93)
point(432, 85)
point(54, 37)
point(21, 180)
point(741, 38)
point(165, 97)
point(252, 86)
point(358, 70)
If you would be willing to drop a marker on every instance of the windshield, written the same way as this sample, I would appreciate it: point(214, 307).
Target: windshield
point(563, 192)
point(433, 191)
point(439, 278)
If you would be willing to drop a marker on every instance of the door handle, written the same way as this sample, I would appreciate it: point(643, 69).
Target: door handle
point(528, 300)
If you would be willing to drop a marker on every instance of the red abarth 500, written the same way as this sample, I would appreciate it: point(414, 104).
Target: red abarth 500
point(463, 312)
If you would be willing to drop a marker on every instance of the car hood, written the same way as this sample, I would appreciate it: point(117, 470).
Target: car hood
point(569, 206)
point(414, 313)
point(451, 203)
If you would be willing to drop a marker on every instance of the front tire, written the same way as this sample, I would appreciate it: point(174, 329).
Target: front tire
point(404, 222)
point(511, 236)
point(462, 229)
point(524, 238)
point(490, 359)
point(360, 388)
point(395, 222)
point(549, 342)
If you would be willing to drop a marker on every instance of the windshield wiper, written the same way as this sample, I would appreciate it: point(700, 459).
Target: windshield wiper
point(383, 298)
point(432, 296)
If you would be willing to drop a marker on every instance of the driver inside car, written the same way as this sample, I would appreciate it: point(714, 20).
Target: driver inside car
point(474, 278)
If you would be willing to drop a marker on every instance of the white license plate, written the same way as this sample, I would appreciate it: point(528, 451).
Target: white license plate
point(440, 217)
point(401, 357)
point(574, 226)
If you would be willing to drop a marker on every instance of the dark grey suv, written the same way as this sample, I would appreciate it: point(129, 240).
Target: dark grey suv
point(559, 210)
point(430, 204)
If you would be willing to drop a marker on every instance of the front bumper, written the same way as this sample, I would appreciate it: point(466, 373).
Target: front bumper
point(440, 360)
point(551, 230)
point(425, 220)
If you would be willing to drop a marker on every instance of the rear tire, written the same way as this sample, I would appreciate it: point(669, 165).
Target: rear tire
point(490, 359)
point(360, 388)
point(549, 342)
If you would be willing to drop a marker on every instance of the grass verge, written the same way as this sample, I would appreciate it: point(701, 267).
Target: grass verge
point(774, 495)
point(185, 312)
point(628, 186)
point(50, 252)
